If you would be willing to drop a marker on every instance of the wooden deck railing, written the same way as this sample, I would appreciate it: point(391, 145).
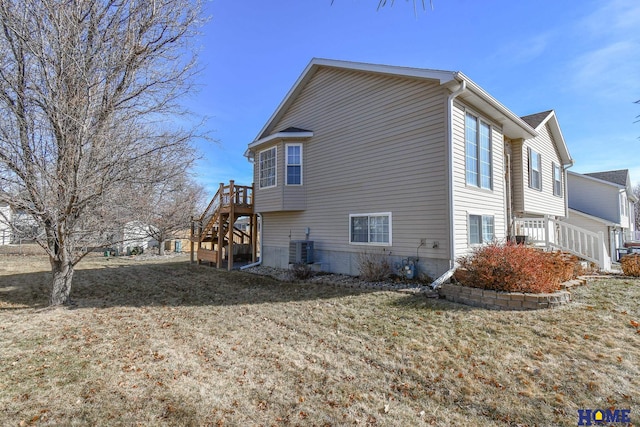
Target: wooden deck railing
point(241, 195)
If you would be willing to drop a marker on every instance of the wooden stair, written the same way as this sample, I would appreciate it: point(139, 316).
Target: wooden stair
point(214, 235)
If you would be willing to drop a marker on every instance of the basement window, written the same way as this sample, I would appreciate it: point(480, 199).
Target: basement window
point(374, 229)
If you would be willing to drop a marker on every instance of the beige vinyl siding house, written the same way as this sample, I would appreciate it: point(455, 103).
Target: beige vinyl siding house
point(374, 150)
point(472, 200)
point(540, 156)
point(384, 166)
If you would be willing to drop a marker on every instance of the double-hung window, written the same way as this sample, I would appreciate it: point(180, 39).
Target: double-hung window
point(535, 169)
point(267, 167)
point(294, 164)
point(370, 228)
point(557, 180)
point(481, 229)
point(623, 204)
point(479, 163)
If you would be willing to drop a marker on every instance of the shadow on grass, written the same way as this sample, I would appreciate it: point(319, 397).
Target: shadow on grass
point(161, 284)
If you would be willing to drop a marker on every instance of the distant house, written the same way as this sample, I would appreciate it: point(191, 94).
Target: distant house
point(415, 163)
point(16, 226)
point(135, 234)
point(5, 225)
point(604, 202)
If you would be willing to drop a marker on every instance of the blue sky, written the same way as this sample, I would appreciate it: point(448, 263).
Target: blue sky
point(581, 59)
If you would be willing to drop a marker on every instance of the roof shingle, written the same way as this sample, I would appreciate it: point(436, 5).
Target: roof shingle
point(617, 177)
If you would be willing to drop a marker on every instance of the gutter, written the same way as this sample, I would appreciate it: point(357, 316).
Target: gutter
point(452, 96)
point(257, 263)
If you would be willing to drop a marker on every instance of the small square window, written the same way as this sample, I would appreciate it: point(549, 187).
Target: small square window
point(370, 229)
point(481, 229)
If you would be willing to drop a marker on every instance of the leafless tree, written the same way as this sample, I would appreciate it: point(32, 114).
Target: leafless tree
point(167, 209)
point(383, 3)
point(85, 88)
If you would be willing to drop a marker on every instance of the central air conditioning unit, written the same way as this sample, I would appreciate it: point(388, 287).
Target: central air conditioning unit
point(301, 252)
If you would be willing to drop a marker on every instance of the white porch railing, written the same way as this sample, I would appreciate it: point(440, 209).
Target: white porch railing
point(632, 236)
point(553, 234)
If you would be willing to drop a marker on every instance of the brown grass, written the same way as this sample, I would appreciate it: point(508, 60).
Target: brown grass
point(165, 343)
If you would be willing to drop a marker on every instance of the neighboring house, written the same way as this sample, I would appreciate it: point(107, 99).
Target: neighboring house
point(135, 234)
point(16, 226)
point(5, 225)
point(603, 202)
point(409, 162)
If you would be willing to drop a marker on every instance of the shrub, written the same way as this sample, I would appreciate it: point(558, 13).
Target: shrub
point(300, 271)
point(515, 268)
point(631, 265)
point(564, 265)
point(374, 267)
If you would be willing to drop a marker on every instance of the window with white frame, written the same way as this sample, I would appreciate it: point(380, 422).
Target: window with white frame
point(535, 169)
point(481, 229)
point(557, 180)
point(267, 167)
point(623, 204)
point(372, 228)
point(479, 163)
point(294, 164)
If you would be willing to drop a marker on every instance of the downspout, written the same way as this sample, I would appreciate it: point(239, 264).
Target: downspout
point(452, 245)
point(257, 263)
point(508, 193)
point(565, 167)
point(249, 155)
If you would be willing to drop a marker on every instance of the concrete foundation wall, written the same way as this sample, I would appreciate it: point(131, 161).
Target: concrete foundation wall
point(343, 262)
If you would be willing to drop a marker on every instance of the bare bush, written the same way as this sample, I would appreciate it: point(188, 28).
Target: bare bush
point(374, 266)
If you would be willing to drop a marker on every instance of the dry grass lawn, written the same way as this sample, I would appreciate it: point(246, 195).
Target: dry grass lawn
point(166, 343)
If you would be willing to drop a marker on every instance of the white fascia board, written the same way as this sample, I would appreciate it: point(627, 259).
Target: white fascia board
point(601, 181)
point(442, 77)
point(513, 125)
point(558, 137)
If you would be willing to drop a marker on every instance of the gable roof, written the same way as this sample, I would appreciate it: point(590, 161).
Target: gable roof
point(513, 125)
point(538, 120)
point(620, 177)
point(534, 120)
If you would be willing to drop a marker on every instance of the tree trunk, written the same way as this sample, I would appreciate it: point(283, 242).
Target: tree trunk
point(62, 275)
point(161, 248)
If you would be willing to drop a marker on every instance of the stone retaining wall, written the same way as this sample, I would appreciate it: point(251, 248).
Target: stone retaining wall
point(502, 300)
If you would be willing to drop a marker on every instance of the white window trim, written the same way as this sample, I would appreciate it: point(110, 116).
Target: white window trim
point(554, 167)
point(275, 180)
point(373, 243)
point(481, 215)
point(530, 162)
point(479, 120)
point(286, 163)
point(623, 204)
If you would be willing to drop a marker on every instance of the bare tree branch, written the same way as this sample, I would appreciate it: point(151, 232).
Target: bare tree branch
point(83, 86)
